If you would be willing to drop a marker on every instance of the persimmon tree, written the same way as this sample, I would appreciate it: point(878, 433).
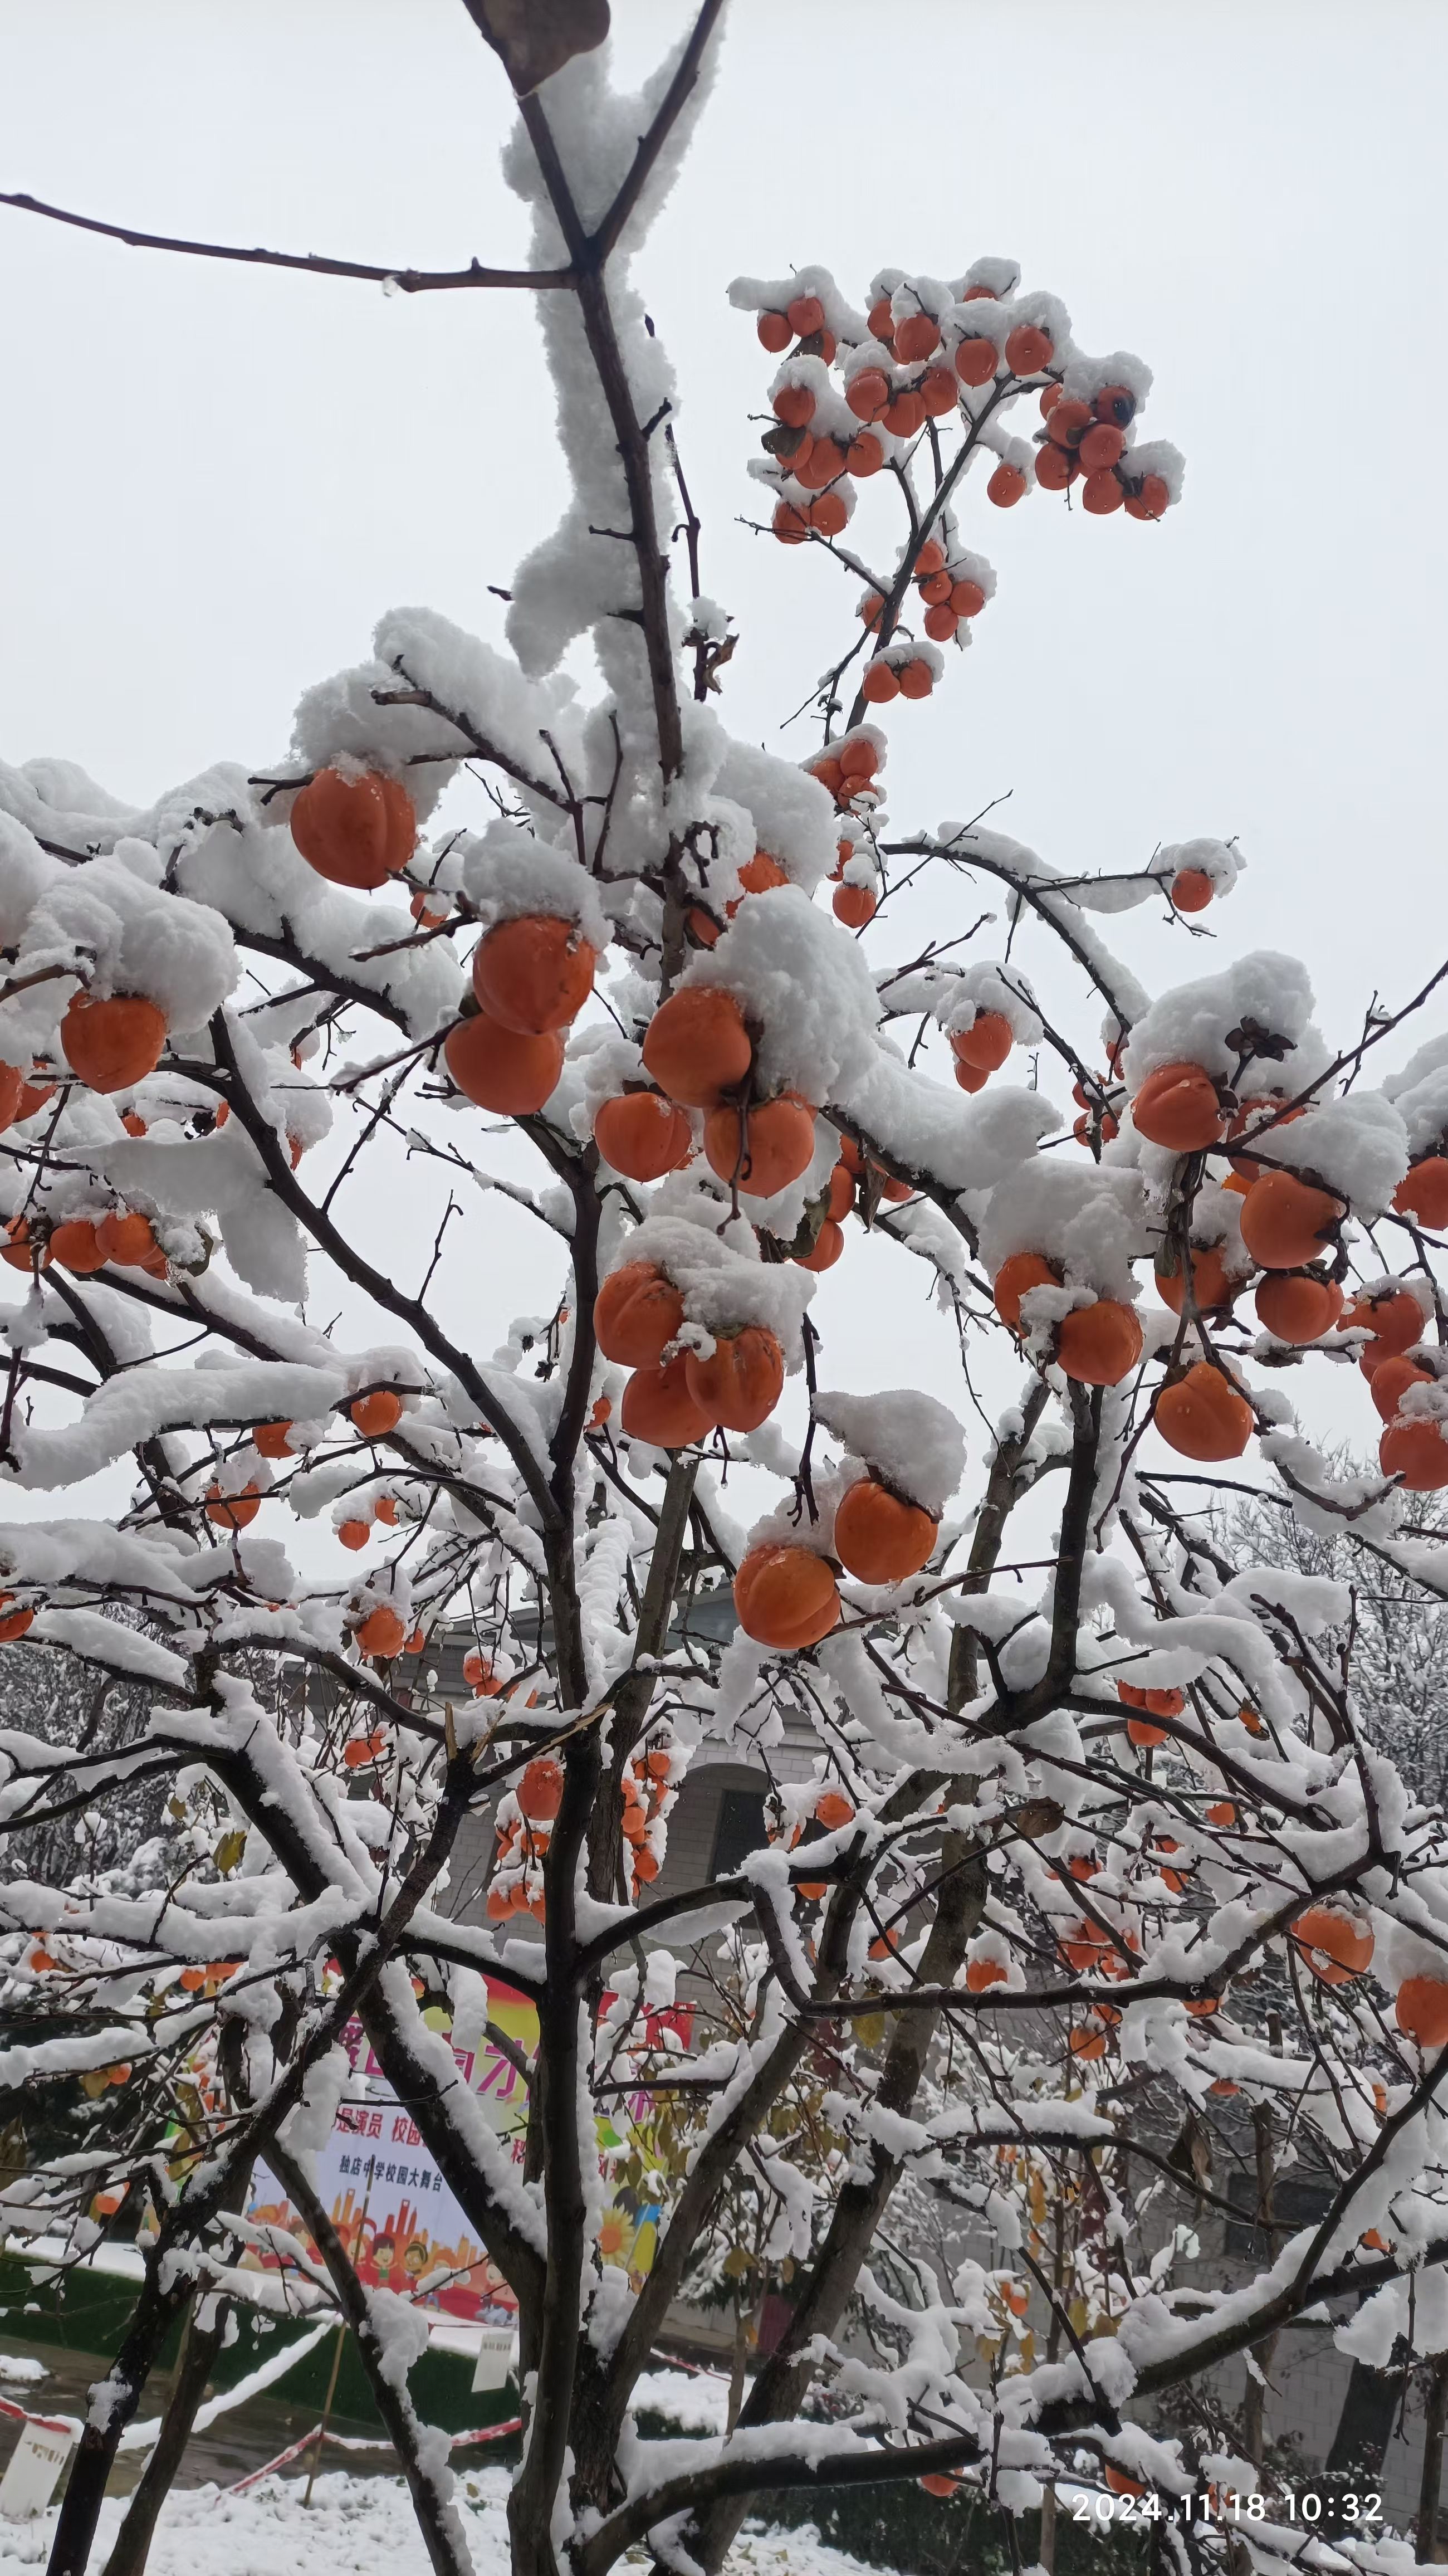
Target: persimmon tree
point(1090, 1846)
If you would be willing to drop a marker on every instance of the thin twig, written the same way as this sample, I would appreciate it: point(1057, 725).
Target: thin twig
point(408, 281)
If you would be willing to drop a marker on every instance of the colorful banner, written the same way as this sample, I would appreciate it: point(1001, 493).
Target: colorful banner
point(628, 2233)
point(403, 2227)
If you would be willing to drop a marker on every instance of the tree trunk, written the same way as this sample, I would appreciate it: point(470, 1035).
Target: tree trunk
point(549, 2342)
point(1366, 2421)
point(1254, 2405)
point(1254, 2412)
point(199, 2350)
point(736, 2365)
point(1433, 2428)
point(113, 2401)
point(1047, 2552)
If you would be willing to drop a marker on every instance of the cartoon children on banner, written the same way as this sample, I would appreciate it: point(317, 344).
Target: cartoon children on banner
point(387, 2198)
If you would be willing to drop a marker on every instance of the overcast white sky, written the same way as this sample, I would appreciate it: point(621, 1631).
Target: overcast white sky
point(215, 479)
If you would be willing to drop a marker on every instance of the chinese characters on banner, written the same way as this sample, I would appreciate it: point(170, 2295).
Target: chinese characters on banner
point(385, 2196)
point(401, 2224)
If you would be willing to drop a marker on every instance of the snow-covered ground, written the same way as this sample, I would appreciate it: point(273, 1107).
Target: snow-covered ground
point(353, 2527)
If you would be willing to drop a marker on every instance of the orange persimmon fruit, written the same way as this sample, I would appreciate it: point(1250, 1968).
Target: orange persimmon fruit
point(1099, 1345)
point(1298, 1305)
point(1335, 1945)
point(1422, 2010)
point(986, 1043)
point(1211, 1285)
point(1006, 486)
point(1202, 1416)
point(1014, 1280)
point(763, 1148)
point(636, 1314)
point(879, 1537)
point(642, 1135)
point(741, 1382)
point(1393, 1317)
point(376, 1413)
point(1177, 1106)
point(75, 1244)
point(855, 905)
point(658, 1407)
point(1191, 890)
point(109, 1045)
point(1414, 1448)
point(540, 1790)
point(1286, 1222)
point(500, 1070)
point(1390, 1382)
point(786, 1596)
point(976, 361)
point(826, 1249)
point(696, 1046)
point(1028, 349)
point(1423, 1193)
point(533, 975)
point(381, 1634)
point(356, 831)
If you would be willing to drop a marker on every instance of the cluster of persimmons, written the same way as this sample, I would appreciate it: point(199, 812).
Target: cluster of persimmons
point(532, 974)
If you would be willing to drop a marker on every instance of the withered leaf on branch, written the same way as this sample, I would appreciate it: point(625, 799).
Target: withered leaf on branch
point(1191, 2154)
point(721, 654)
point(535, 38)
point(1264, 1043)
point(1038, 1816)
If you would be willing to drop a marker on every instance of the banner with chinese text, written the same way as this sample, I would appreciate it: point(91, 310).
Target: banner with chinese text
point(389, 2202)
